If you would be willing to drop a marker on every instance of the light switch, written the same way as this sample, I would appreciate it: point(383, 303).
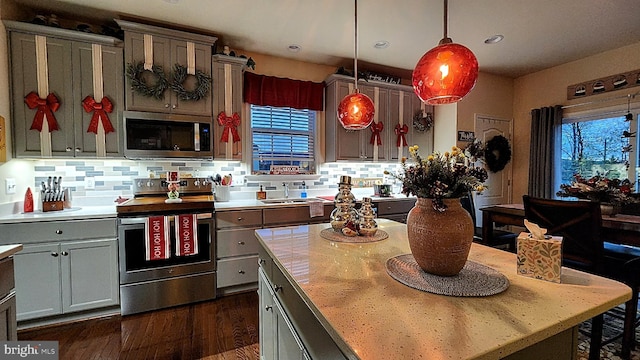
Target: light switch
point(10, 186)
point(89, 183)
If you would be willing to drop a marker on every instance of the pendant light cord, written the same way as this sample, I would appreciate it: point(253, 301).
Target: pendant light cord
point(355, 46)
point(446, 39)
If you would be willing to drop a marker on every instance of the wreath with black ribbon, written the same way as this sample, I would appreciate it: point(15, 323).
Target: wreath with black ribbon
point(179, 77)
point(497, 153)
point(139, 83)
point(422, 122)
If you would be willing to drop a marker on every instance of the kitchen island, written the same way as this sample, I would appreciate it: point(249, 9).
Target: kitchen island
point(338, 301)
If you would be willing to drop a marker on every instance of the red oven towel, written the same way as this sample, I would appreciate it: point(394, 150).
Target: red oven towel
point(186, 234)
point(157, 242)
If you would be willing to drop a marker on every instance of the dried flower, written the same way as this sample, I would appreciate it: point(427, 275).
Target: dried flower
point(598, 188)
point(441, 176)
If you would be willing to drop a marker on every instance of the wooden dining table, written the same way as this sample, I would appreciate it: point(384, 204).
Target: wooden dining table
point(619, 229)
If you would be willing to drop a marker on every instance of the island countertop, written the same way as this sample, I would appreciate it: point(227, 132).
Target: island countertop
point(369, 315)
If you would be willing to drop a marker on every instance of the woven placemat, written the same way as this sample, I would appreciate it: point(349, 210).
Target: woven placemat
point(333, 235)
point(473, 280)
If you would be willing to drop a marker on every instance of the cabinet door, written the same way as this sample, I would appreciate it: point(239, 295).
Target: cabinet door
point(37, 272)
point(221, 71)
point(24, 79)
point(267, 338)
point(203, 63)
point(8, 330)
point(112, 78)
point(90, 274)
point(287, 344)
point(134, 53)
point(382, 114)
point(348, 143)
point(404, 112)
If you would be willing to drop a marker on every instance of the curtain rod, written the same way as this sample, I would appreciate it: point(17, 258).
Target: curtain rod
point(628, 96)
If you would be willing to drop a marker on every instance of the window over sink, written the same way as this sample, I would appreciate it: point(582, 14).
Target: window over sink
point(282, 136)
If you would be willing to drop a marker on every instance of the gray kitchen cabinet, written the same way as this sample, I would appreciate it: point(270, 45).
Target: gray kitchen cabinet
point(169, 49)
point(356, 145)
point(396, 209)
point(228, 69)
point(237, 250)
point(8, 327)
point(63, 268)
point(60, 278)
point(69, 64)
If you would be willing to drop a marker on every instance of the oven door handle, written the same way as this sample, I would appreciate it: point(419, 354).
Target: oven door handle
point(141, 220)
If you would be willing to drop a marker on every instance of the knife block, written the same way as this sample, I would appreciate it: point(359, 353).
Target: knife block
point(52, 206)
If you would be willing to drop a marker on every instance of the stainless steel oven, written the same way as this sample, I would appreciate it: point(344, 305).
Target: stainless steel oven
point(148, 283)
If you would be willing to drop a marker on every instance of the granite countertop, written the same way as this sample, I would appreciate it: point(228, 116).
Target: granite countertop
point(372, 316)
point(8, 250)
point(74, 213)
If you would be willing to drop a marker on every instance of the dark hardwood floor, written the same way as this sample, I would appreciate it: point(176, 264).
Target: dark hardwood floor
point(225, 328)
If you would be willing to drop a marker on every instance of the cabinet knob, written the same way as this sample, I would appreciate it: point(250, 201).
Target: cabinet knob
point(174, 106)
point(78, 150)
point(268, 307)
point(166, 105)
point(240, 271)
point(240, 242)
point(68, 149)
point(240, 218)
point(277, 288)
point(262, 261)
point(58, 231)
point(64, 253)
point(54, 254)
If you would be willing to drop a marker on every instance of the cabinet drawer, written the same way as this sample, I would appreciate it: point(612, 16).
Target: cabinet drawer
point(238, 218)
point(34, 232)
point(236, 242)
point(395, 206)
point(237, 271)
point(7, 281)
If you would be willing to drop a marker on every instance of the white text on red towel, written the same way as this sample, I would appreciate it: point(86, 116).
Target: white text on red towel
point(186, 228)
point(157, 242)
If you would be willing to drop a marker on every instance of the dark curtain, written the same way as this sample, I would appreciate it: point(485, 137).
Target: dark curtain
point(545, 135)
point(280, 92)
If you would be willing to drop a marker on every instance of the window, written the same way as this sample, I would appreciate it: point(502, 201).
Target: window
point(282, 136)
point(599, 144)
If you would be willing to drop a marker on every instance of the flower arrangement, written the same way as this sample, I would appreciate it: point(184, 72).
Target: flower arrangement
point(598, 188)
point(440, 176)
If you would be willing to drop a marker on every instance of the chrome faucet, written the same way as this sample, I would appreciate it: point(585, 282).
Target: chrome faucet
point(286, 190)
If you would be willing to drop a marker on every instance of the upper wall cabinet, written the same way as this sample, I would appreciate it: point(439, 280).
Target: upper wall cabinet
point(67, 92)
point(163, 51)
point(227, 97)
point(396, 105)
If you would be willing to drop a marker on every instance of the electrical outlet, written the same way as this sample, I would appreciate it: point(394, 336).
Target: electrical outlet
point(89, 183)
point(10, 186)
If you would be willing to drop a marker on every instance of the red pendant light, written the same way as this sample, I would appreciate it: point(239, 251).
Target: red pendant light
point(446, 73)
point(355, 111)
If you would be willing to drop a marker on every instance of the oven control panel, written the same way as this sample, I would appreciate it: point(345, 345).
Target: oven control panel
point(154, 186)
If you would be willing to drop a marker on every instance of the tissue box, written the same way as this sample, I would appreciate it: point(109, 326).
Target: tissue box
point(540, 259)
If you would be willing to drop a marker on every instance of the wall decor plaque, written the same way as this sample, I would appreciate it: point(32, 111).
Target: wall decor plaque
point(610, 83)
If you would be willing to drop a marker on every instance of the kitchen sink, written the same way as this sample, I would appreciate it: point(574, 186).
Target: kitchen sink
point(288, 201)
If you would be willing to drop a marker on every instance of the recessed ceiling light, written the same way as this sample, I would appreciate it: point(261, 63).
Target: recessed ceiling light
point(294, 48)
point(494, 39)
point(383, 44)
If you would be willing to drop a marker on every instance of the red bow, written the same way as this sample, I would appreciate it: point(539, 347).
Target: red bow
point(230, 123)
point(376, 128)
point(400, 131)
point(45, 107)
point(100, 110)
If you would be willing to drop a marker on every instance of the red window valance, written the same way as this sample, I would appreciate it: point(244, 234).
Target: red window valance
point(280, 92)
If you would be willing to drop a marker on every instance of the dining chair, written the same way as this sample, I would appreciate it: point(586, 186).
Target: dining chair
point(583, 248)
point(499, 239)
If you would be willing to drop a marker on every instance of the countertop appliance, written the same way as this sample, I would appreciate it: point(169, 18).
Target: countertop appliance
point(155, 272)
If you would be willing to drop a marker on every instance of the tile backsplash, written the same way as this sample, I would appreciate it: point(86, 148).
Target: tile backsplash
point(115, 177)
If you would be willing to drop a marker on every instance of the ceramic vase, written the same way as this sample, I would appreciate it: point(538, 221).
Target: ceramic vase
point(440, 241)
point(608, 209)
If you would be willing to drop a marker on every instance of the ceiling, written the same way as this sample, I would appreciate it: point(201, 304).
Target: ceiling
point(538, 34)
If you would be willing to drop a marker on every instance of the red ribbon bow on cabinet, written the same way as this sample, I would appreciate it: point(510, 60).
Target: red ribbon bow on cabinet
point(230, 123)
point(44, 107)
point(100, 110)
point(376, 128)
point(400, 130)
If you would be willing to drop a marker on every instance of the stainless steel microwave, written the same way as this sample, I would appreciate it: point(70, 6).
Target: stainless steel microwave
point(163, 136)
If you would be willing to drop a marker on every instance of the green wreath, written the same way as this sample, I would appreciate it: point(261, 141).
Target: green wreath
point(139, 84)
point(422, 123)
point(497, 153)
point(179, 77)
